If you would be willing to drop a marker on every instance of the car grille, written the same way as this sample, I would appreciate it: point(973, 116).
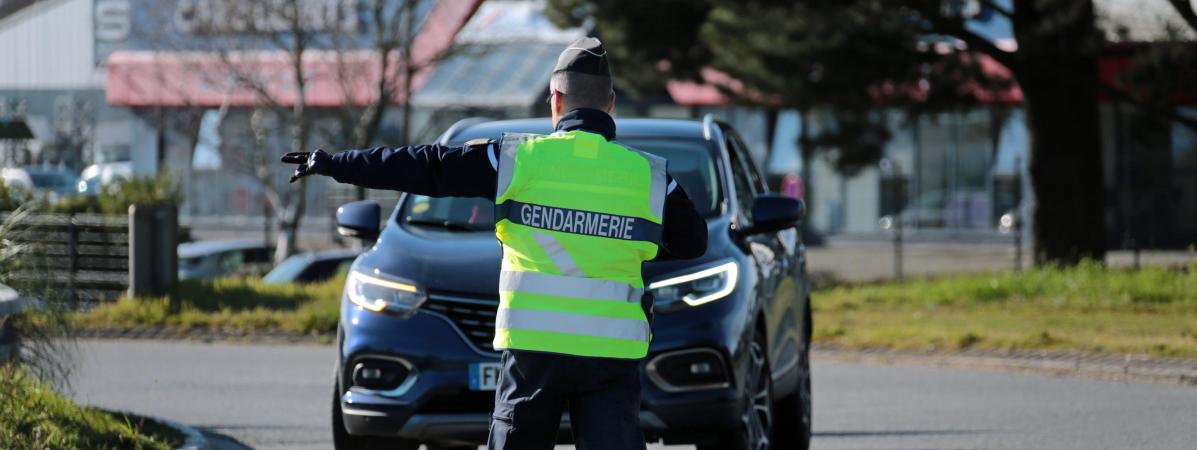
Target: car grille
point(473, 316)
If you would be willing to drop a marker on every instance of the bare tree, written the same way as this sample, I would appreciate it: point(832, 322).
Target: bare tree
point(385, 72)
point(290, 27)
point(360, 56)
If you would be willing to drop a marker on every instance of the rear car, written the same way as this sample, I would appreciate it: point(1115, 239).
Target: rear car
point(52, 182)
point(215, 258)
point(728, 367)
point(311, 267)
point(96, 176)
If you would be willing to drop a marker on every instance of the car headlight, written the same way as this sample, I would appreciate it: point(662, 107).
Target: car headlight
point(381, 295)
point(697, 288)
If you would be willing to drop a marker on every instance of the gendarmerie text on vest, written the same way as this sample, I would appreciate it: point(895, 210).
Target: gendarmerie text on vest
point(579, 222)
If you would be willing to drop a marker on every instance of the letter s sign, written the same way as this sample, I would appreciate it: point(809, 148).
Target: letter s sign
point(112, 20)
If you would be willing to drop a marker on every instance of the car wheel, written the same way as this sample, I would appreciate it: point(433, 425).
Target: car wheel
point(342, 440)
point(755, 430)
point(793, 430)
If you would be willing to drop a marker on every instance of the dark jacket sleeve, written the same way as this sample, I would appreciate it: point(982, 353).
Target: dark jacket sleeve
point(432, 170)
point(685, 232)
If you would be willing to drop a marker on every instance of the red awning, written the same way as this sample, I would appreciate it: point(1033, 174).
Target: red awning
point(1114, 62)
point(707, 93)
point(689, 93)
point(995, 69)
point(1118, 59)
point(203, 79)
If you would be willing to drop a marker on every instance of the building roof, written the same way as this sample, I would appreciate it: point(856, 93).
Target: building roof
point(208, 79)
point(509, 50)
point(492, 76)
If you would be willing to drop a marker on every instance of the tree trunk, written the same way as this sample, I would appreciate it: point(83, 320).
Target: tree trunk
point(300, 131)
point(405, 134)
point(1057, 71)
point(289, 225)
point(806, 150)
point(408, 72)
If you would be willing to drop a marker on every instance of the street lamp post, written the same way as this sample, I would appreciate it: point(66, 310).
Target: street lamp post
point(890, 170)
point(1018, 214)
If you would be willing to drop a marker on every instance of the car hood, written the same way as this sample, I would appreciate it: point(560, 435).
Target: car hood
point(465, 262)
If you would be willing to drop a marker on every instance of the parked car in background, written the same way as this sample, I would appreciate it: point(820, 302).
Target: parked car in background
point(728, 367)
point(210, 259)
point(53, 182)
point(97, 176)
point(311, 267)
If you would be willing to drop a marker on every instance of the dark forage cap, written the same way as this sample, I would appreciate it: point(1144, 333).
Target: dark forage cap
point(585, 56)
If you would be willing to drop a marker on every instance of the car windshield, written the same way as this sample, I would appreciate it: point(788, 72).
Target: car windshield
point(288, 270)
point(190, 263)
point(690, 163)
point(52, 180)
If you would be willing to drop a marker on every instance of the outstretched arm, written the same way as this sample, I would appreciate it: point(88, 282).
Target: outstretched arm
point(432, 170)
point(685, 231)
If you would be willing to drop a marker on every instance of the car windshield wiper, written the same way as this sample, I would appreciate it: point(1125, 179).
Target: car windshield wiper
point(445, 223)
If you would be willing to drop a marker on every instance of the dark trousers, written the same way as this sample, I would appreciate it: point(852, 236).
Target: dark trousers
point(601, 395)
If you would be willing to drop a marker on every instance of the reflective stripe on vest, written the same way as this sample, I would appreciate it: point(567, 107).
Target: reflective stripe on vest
point(659, 187)
point(566, 286)
point(577, 216)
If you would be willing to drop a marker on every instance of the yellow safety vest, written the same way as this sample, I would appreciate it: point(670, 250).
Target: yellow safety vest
point(577, 216)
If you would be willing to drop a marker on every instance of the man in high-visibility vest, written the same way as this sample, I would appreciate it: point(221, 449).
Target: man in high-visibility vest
point(577, 214)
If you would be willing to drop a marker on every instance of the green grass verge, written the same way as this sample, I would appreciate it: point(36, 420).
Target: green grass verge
point(1152, 311)
point(244, 304)
point(36, 417)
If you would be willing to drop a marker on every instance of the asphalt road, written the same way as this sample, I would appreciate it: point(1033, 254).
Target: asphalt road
point(276, 397)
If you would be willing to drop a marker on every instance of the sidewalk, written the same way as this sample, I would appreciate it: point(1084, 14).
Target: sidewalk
point(855, 259)
point(1061, 363)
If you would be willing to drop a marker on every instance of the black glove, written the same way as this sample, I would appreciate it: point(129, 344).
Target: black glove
point(316, 162)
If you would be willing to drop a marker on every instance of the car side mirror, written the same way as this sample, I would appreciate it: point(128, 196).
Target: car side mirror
point(771, 212)
point(359, 220)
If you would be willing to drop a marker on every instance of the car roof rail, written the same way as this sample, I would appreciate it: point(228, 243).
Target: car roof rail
point(457, 126)
point(708, 125)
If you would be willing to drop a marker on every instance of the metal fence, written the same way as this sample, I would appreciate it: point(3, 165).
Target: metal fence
point(85, 256)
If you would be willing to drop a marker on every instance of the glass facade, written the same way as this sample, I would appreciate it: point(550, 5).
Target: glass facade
point(1184, 176)
point(956, 171)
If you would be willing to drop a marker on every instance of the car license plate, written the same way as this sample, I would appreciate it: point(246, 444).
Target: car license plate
point(484, 376)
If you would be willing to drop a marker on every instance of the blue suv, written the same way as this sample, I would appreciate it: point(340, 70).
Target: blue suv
point(729, 363)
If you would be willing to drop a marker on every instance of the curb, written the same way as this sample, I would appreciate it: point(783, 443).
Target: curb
point(1073, 364)
point(193, 439)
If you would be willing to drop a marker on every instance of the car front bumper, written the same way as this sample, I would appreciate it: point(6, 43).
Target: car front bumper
point(440, 407)
point(690, 420)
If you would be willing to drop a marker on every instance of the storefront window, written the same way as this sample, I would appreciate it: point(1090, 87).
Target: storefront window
point(953, 172)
